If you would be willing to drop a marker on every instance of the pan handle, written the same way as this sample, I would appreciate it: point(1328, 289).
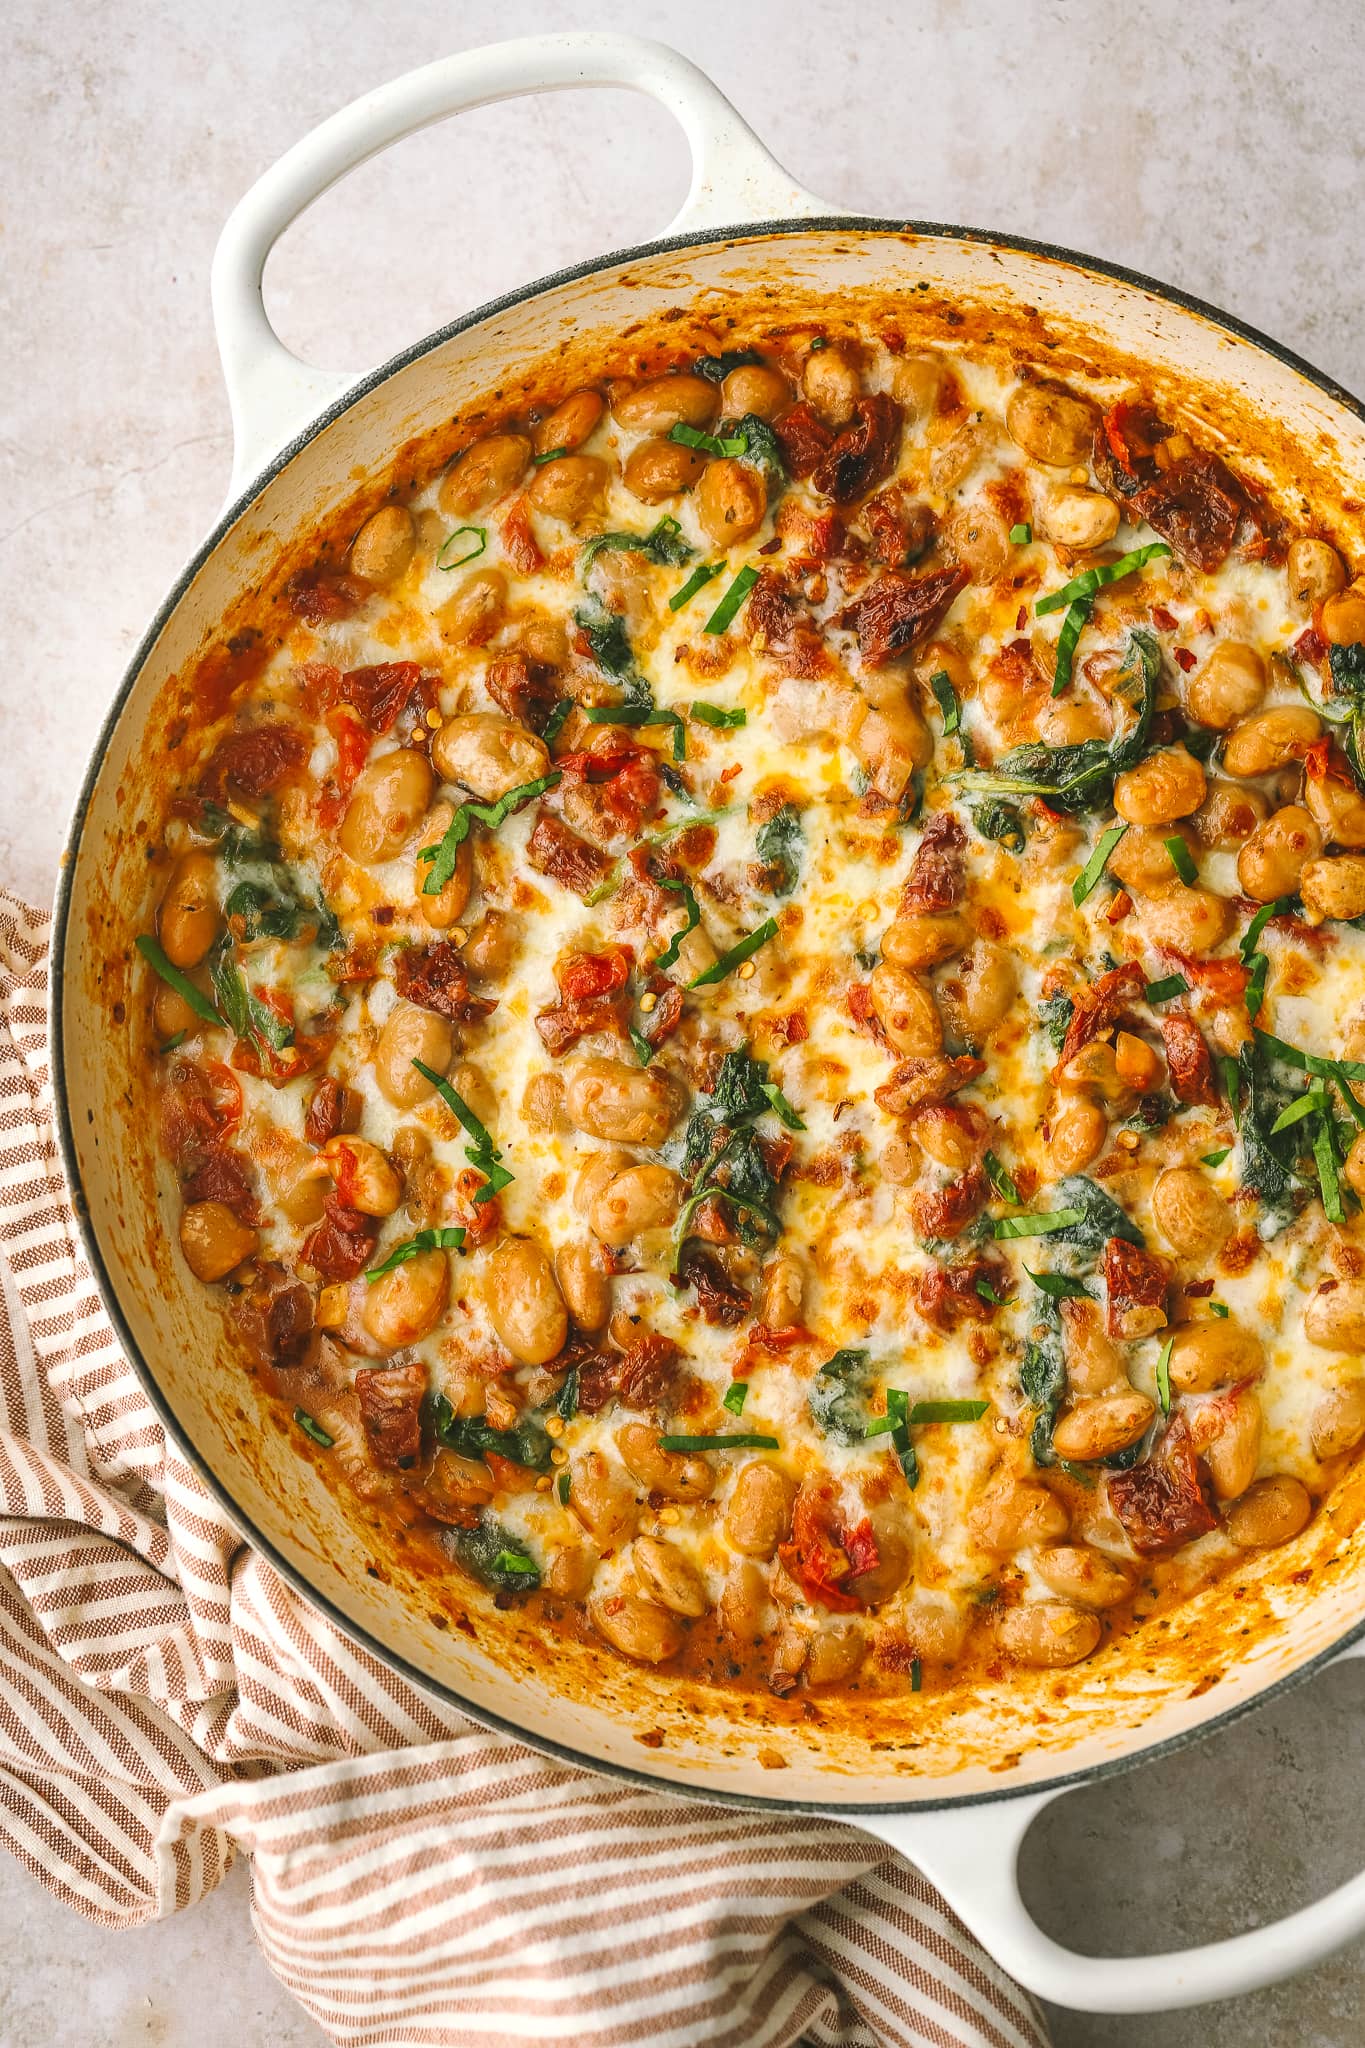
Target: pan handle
point(972, 1855)
point(273, 394)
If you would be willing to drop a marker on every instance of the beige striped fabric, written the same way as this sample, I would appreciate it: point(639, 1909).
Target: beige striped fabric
point(167, 1703)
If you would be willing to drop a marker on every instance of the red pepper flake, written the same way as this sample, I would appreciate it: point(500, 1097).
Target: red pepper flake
point(1021, 620)
point(773, 546)
point(729, 774)
point(1120, 908)
point(1186, 659)
point(1167, 621)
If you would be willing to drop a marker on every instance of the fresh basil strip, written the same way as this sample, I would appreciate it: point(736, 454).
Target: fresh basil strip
point(442, 856)
point(740, 1440)
point(483, 1154)
point(1037, 1226)
point(945, 696)
point(480, 537)
point(1058, 1286)
point(1311, 1062)
point(737, 955)
point(1021, 534)
point(1169, 986)
point(948, 1411)
point(563, 1487)
point(736, 1395)
point(1084, 586)
point(1311, 1103)
point(695, 582)
point(781, 1108)
point(516, 1560)
point(1251, 937)
point(1073, 625)
point(985, 1292)
point(313, 1429)
point(1088, 878)
point(1328, 1164)
point(1216, 1158)
point(449, 1238)
point(644, 1049)
point(151, 952)
point(1182, 860)
point(731, 602)
point(1219, 1308)
point(1163, 1376)
point(1002, 1181)
point(567, 1402)
point(669, 957)
point(550, 455)
point(916, 1675)
point(715, 715)
point(707, 444)
point(554, 724)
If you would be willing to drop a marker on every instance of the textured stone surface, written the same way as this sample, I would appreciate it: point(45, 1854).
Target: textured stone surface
point(1220, 149)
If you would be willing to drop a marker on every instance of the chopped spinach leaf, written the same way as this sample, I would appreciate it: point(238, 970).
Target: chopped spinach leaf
point(490, 1554)
point(1080, 776)
point(779, 845)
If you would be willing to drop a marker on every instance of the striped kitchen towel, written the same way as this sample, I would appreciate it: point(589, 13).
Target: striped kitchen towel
point(167, 1702)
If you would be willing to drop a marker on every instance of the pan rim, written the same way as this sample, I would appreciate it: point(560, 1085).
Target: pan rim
point(564, 1752)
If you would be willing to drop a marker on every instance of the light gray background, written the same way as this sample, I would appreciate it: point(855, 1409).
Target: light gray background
point(1221, 147)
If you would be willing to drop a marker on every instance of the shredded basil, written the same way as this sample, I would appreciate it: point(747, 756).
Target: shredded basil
point(696, 581)
point(707, 444)
point(1040, 1225)
point(1021, 534)
point(1182, 860)
point(731, 602)
point(669, 957)
point(948, 1411)
point(483, 1154)
point(449, 1238)
point(152, 953)
point(563, 1487)
point(1073, 625)
point(1164, 990)
point(442, 856)
point(1058, 1286)
point(554, 724)
point(714, 715)
point(1163, 1376)
point(736, 1395)
point(1088, 878)
point(945, 696)
point(1082, 588)
point(480, 536)
point(1216, 1158)
point(781, 1108)
point(737, 955)
point(738, 1440)
point(313, 1429)
point(1002, 1181)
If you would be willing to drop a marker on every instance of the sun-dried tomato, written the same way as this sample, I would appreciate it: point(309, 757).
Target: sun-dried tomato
point(254, 762)
point(1160, 1502)
point(1100, 1004)
point(897, 609)
point(937, 875)
point(1188, 1059)
point(436, 978)
point(1135, 1284)
point(342, 1244)
point(862, 453)
point(390, 1399)
point(554, 850)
